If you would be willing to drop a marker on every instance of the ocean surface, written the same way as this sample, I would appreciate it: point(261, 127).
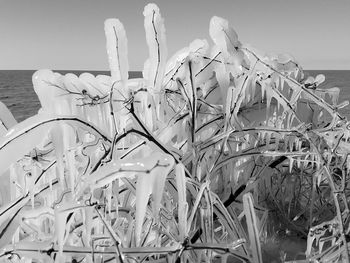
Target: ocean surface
point(16, 88)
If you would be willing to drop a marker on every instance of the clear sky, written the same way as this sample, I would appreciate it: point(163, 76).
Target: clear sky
point(69, 34)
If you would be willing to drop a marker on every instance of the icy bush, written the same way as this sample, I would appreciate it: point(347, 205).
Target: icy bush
point(188, 164)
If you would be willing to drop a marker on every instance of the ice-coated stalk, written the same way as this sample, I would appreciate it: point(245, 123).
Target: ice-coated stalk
point(156, 40)
point(182, 202)
point(117, 50)
point(252, 224)
point(154, 67)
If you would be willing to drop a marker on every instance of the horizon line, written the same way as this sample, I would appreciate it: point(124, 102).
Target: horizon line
point(107, 70)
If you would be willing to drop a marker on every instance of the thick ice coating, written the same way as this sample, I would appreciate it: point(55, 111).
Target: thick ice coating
point(223, 35)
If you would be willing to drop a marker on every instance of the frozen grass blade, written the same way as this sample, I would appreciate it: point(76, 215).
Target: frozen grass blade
point(182, 201)
point(252, 223)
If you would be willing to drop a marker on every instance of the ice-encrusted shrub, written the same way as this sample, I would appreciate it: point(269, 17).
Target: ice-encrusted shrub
point(183, 165)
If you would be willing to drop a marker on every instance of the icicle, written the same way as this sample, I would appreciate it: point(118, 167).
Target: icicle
point(282, 86)
point(148, 106)
point(277, 83)
point(160, 175)
point(228, 106)
point(60, 229)
point(261, 136)
point(247, 95)
point(267, 138)
point(306, 161)
point(334, 94)
point(238, 93)
point(182, 201)
point(88, 220)
point(221, 74)
point(278, 138)
point(278, 106)
point(290, 164)
point(30, 183)
point(151, 182)
point(299, 162)
point(72, 172)
point(295, 96)
point(263, 88)
point(143, 192)
point(318, 162)
point(62, 225)
point(291, 143)
point(115, 193)
point(56, 136)
point(268, 101)
point(108, 192)
point(253, 88)
point(296, 72)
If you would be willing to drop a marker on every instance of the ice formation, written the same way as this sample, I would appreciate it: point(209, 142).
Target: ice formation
point(157, 169)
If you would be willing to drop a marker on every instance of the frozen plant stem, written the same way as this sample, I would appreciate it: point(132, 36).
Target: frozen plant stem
point(339, 213)
point(111, 232)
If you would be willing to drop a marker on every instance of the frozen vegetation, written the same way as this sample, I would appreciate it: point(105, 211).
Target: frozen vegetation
point(218, 154)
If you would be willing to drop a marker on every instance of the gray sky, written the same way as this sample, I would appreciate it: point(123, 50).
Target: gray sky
point(69, 34)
